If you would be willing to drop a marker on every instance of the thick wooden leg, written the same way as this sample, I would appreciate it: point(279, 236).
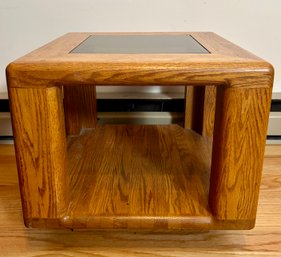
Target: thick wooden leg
point(80, 108)
point(40, 142)
point(200, 109)
point(238, 149)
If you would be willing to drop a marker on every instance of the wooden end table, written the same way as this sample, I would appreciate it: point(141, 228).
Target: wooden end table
point(75, 173)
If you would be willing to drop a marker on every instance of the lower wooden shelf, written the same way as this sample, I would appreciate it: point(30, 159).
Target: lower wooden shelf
point(139, 176)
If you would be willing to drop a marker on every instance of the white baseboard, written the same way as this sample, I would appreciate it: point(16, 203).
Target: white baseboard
point(274, 125)
point(276, 95)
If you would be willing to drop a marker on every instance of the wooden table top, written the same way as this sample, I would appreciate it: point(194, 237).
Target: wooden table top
point(55, 62)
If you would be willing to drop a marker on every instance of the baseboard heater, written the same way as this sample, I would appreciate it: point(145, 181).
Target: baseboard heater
point(144, 111)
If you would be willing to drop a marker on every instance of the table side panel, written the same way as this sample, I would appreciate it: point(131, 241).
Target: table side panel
point(238, 149)
point(80, 108)
point(38, 126)
point(200, 105)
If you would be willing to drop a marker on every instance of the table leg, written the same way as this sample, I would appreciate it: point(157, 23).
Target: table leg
point(209, 110)
point(40, 142)
point(200, 109)
point(238, 149)
point(80, 108)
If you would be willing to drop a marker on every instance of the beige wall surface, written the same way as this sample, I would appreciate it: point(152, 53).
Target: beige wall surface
point(253, 24)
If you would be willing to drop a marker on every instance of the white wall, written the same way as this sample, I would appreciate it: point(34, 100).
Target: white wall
point(253, 24)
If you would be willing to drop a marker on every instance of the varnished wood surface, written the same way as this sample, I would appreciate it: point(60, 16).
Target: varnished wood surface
point(130, 176)
point(80, 109)
point(209, 110)
point(200, 105)
point(38, 127)
point(225, 63)
point(118, 174)
point(35, 82)
point(263, 240)
point(238, 150)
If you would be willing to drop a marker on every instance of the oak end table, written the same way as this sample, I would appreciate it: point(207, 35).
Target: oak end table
point(76, 173)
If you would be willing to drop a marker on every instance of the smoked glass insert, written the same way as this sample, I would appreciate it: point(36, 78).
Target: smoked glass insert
point(140, 44)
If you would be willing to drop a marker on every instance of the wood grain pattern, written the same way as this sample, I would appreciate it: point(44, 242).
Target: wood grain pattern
point(121, 183)
point(194, 108)
point(244, 83)
point(38, 127)
point(188, 108)
point(225, 63)
point(209, 111)
point(80, 109)
point(238, 148)
point(200, 105)
point(263, 241)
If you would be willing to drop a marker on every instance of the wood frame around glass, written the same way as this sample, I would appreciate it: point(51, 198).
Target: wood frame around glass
point(74, 173)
